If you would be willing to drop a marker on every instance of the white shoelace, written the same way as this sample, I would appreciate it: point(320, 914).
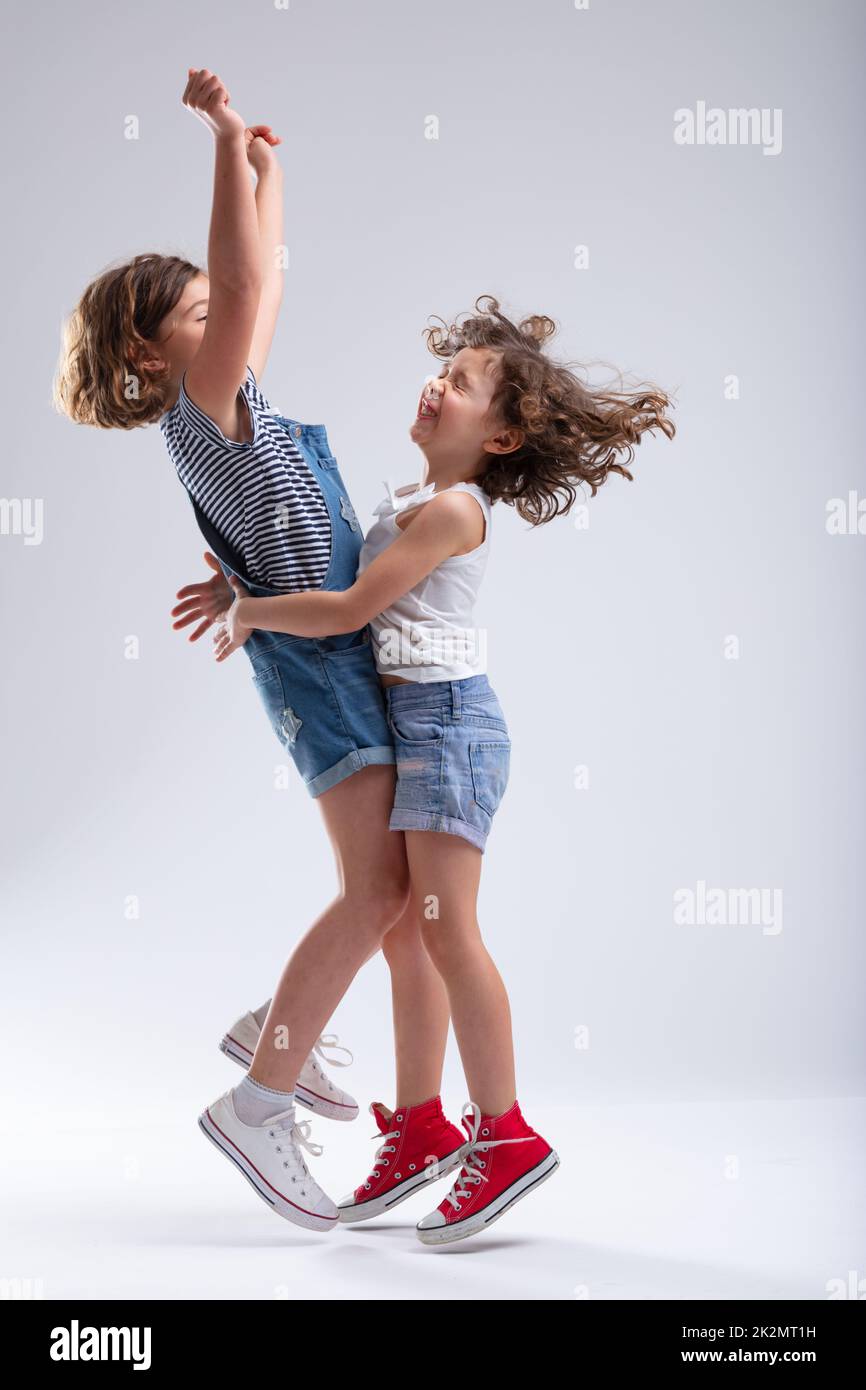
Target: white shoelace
point(384, 1147)
point(327, 1040)
point(300, 1134)
point(332, 1040)
point(469, 1172)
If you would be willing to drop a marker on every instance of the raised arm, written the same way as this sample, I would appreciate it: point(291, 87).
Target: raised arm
point(269, 211)
point(233, 260)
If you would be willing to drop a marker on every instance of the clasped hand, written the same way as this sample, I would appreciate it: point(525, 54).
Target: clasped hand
point(230, 633)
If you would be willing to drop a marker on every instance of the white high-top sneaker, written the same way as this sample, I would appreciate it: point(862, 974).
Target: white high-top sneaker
point(313, 1088)
point(270, 1158)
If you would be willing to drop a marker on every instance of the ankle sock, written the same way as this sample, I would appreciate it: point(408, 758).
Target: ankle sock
point(255, 1103)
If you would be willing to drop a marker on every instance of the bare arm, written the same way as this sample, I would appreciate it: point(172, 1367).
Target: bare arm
point(444, 526)
point(234, 259)
point(269, 211)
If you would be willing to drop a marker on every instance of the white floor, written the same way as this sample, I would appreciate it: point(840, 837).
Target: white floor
point(755, 1200)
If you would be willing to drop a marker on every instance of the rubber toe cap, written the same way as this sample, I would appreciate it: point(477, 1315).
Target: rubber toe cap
point(430, 1223)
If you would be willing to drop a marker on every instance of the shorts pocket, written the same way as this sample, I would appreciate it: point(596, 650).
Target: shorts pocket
point(263, 674)
point(484, 713)
point(488, 721)
point(489, 762)
point(285, 722)
point(418, 724)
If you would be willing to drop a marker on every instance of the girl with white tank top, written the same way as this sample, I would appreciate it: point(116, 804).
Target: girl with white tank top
point(429, 633)
point(501, 407)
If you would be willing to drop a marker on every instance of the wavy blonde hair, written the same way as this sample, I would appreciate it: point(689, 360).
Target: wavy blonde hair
point(104, 344)
point(573, 433)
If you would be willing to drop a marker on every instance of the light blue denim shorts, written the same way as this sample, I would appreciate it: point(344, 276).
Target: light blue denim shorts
point(453, 752)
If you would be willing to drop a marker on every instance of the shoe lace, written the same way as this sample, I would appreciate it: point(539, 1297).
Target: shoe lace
point(331, 1040)
point(328, 1040)
point(470, 1172)
point(384, 1148)
point(284, 1127)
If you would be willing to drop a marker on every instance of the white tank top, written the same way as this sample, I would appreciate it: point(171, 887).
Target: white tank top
point(429, 634)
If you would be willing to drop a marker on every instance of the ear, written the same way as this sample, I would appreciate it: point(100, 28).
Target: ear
point(506, 441)
point(147, 360)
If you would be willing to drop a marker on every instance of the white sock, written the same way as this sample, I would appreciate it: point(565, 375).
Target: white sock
point(261, 1014)
point(255, 1103)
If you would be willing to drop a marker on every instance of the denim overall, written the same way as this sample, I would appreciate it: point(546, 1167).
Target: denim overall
point(322, 694)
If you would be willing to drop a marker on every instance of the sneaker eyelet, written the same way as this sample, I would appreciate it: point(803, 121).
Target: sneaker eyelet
point(399, 1119)
point(398, 1134)
point(411, 1167)
point(385, 1162)
point(366, 1187)
point(398, 1175)
point(485, 1131)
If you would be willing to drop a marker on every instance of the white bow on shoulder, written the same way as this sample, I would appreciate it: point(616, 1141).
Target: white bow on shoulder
point(393, 504)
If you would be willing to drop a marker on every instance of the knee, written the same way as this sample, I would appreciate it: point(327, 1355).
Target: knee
point(403, 939)
point(383, 907)
point(444, 945)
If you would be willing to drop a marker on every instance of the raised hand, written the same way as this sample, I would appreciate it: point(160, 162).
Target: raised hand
point(207, 97)
point(260, 142)
point(206, 600)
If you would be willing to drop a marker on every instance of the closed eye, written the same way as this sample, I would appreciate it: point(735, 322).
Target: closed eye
point(447, 376)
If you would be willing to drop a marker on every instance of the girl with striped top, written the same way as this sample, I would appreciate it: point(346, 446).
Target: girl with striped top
point(156, 340)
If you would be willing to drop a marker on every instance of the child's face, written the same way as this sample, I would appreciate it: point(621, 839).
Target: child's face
point(182, 329)
point(452, 423)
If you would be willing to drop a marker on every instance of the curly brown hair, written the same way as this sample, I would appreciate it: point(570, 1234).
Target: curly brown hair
point(573, 433)
point(101, 375)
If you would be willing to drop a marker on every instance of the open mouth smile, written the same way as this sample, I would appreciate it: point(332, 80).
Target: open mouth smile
point(426, 409)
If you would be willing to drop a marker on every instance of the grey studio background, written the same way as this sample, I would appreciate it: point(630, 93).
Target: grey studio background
point(696, 650)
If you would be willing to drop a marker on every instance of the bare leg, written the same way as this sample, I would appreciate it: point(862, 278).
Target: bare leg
point(420, 1008)
point(419, 1004)
point(449, 868)
point(373, 879)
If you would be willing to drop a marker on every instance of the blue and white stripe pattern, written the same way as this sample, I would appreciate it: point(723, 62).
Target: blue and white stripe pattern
point(261, 496)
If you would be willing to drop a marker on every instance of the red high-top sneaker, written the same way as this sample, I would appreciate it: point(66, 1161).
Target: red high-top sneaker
point(418, 1146)
point(503, 1161)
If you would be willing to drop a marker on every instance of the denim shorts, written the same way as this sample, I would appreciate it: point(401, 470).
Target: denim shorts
point(453, 752)
point(325, 703)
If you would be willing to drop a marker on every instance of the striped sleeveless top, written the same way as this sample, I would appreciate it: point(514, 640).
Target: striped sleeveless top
point(261, 496)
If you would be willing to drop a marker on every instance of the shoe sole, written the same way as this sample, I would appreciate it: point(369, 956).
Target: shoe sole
point(482, 1220)
point(298, 1217)
point(331, 1110)
point(365, 1211)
